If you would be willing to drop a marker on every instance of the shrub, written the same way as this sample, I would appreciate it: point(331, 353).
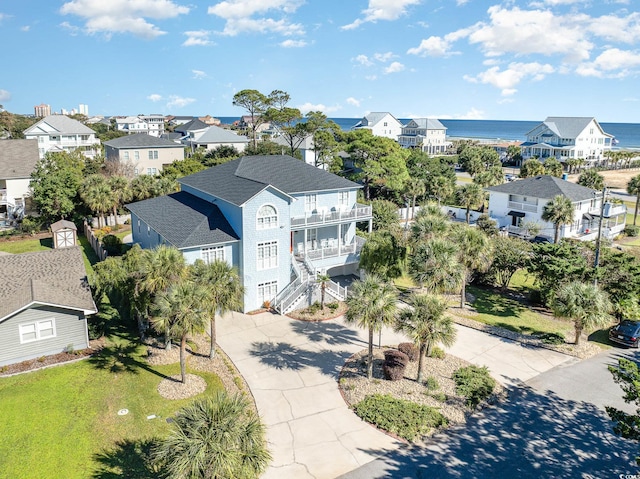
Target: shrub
point(410, 350)
point(333, 306)
point(69, 349)
point(431, 383)
point(551, 338)
point(437, 353)
point(31, 225)
point(395, 363)
point(406, 419)
point(632, 230)
point(474, 384)
point(439, 396)
point(102, 232)
point(314, 308)
point(112, 244)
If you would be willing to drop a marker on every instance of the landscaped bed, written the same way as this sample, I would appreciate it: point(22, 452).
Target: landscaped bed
point(316, 313)
point(437, 391)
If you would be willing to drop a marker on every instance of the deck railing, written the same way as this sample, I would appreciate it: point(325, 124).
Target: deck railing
point(318, 217)
point(523, 206)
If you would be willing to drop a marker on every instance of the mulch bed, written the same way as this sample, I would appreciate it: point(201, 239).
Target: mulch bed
point(325, 314)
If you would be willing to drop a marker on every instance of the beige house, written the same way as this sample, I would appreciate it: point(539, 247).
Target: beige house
point(148, 154)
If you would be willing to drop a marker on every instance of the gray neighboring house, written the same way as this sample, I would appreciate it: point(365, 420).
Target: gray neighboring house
point(18, 159)
point(43, 304)
point(213, 137)
point(195, 125)
point(148, 154)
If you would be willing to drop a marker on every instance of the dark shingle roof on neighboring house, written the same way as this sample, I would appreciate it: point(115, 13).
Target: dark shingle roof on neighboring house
point(141, 140)
point(192, 125)
point(61, 123)
point(215, 134)
point(545, 186)
point(55, 277)
point(18, 158)
point(185, 220)
point(240, 180)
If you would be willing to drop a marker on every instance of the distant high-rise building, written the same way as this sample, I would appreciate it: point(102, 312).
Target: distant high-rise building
point(42, 110)
point(84, 109)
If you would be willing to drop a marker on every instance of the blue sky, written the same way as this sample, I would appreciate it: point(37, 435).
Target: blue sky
point(470, 59)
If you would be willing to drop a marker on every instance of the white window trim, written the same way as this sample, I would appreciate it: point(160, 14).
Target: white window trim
point(271, 223)
point(38, 328)
point(311, 202)
point(216, 251)
point(267, 262)
point(267, 284)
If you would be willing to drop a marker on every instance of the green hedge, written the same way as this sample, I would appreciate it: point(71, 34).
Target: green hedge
point(474, 383)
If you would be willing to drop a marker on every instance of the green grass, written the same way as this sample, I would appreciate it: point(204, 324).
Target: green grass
point(498, 310)
point(404, 282)
point(63, 421)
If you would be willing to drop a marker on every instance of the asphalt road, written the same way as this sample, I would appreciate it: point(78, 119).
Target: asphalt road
point(555, 426)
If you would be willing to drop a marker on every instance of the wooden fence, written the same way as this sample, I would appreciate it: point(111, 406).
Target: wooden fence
point(95, 243)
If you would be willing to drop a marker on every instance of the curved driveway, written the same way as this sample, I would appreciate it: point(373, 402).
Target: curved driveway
point(292, 369)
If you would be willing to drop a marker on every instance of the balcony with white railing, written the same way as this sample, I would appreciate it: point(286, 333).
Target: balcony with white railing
point(330, 249)
point(319, 217)
point(517, 205)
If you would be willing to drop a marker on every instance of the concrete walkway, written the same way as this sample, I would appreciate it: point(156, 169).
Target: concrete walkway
point(292, 369)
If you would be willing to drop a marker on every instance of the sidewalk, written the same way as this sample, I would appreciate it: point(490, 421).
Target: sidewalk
point(292, 369)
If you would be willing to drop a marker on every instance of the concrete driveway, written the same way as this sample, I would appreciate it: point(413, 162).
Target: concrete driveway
point(292, 369)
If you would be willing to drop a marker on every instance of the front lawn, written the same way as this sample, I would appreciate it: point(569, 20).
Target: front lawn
point(64, 421)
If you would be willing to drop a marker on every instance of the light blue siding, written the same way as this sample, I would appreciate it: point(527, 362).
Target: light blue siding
point(231, 253)
point(143, 234)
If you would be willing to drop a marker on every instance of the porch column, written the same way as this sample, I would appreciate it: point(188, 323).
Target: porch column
point(339, 228)
point(370, 225)
point(304, 248)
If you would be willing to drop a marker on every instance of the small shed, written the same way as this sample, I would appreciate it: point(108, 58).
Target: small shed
point(65, 234)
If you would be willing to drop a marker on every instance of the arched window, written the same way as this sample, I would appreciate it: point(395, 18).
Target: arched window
point(267, 217)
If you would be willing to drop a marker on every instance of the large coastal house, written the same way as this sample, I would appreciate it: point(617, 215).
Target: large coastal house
point(18, 159)
point(44, 302)
point(213, 137)
point(517, 202)
point(61, 133)
point(427, 134)
point(150, 124)
point(380, 124)
point(275, 218)
point(567, 138)
point(147, 154)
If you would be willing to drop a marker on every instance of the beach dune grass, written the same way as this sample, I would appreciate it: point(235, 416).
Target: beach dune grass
point(65, 419)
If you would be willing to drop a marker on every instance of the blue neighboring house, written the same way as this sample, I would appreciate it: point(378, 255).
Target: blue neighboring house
point(275, 218)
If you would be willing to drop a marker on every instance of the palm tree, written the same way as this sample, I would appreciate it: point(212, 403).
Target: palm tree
point(161, 267)
point(434, 265)
point(474, 254)
point(97, 195)
point(441, 188)
point(120, 192)
point(143, 187)
point(490, 177)
point(469, 196)
point(428, 226)
point(414, 188)
point(591, 179)
point(322, 279)
point(165, 185)
point(531, 167)
point(558, 211)
point(179, 312)
point(584, 303)
point(214, 437)
point(426, 324)
point(633, 188)
point(371, 304)
point(224, 292)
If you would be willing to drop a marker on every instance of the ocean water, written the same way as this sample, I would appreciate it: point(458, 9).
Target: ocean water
point(627, 134)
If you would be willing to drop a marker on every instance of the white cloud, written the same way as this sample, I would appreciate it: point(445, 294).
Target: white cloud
point(394, 67)
point(507, 79)
point(352, 101)
point(198, 74)
point(618, 29)
point(154, 97)
point(4, 16)
point(293, 43)
point(4, 95)
point(197, 38)
point(432, 47)
point(382, 10)
point(176, 101)
point(72, 29)
point(123, 16)
point(363, 60)
point(472, 114)
point(238, 16)
point(383, 57)
point(606, 64)
point(371, 77)
point(307, 107)
point(25, 28)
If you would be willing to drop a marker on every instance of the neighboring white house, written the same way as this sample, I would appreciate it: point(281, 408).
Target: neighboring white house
point(305, 148)
point(566, 138)
point(213, 136)
point(276, 219)
point(18, 159)
point(380, 124)
point(61, 133)
point(522, 201)
point(151, 124)
point(428, 134)
point(146, 153)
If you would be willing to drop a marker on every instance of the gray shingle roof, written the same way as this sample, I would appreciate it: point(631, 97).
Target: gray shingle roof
point(194, 124)
point(428, 123)
point(52, 277)
point(567, 126)
point(240, 180)
point(546, 187)
point(62, 124)
point(141, 140)
point(18, 158)
point(185, 220)
point(215, 134)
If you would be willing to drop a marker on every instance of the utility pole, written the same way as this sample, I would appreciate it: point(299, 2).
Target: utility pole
point(596, 261)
